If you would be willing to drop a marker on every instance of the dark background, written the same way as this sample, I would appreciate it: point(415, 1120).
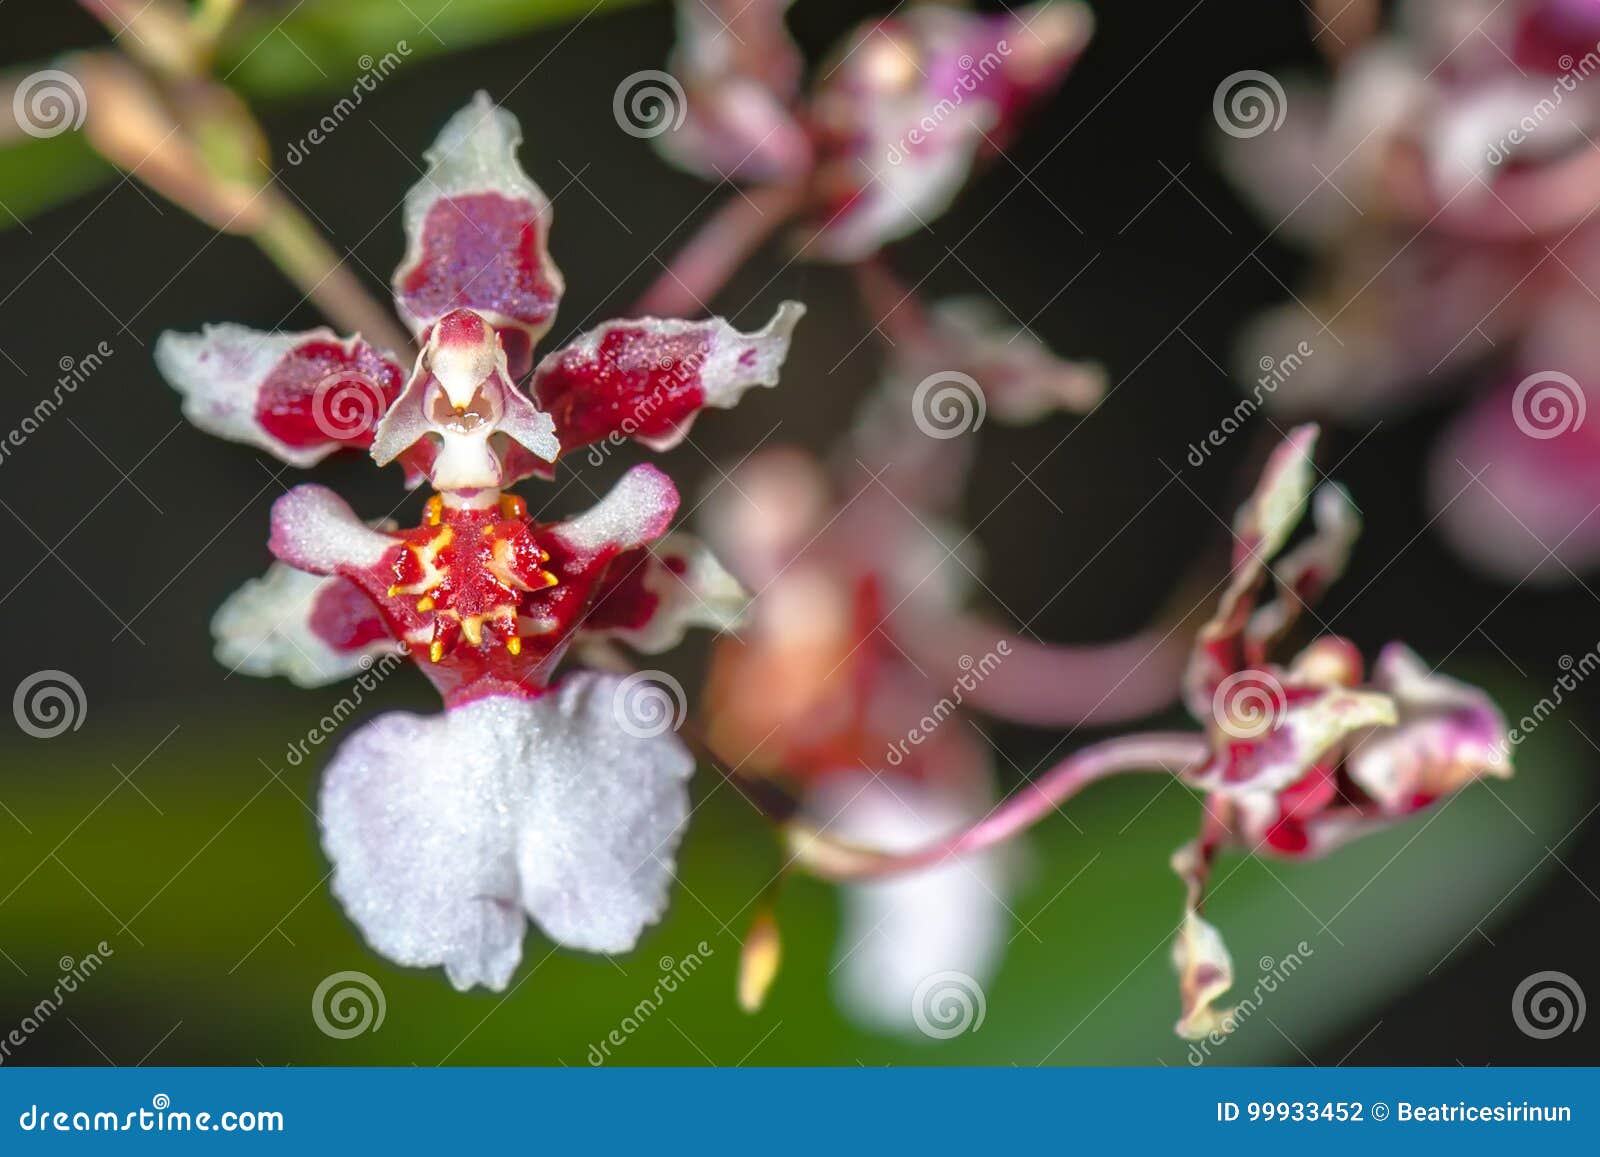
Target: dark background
point(1167, 264)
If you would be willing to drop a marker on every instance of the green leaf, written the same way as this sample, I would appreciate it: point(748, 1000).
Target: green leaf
point(36, 174)
point(218, 912)
point(322, 44)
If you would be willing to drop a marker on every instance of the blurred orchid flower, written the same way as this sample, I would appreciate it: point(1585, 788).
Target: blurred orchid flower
point(847, 686)
point(880, 143)
point(1294, 760)
point(1446, 180)
point(561, 802)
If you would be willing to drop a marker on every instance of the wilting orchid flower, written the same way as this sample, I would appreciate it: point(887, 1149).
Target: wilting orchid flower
point(845, 686)
point(1447, 180)
point(881, 143)
point(527, 798)
point(1295, 759)
point(1304, 757)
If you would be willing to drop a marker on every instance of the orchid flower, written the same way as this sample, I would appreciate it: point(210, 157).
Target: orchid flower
point(844, 689)
point(879, 145)
point(560, 801)
point(1295, 759)
point(1446, 180)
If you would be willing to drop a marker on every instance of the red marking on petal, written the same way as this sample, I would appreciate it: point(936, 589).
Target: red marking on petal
point(482, 251)
point(345, 618)
point(633, 383)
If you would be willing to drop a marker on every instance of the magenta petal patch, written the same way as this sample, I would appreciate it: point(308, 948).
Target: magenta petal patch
point(647, 379)
point(298, 396)
point(476, 232)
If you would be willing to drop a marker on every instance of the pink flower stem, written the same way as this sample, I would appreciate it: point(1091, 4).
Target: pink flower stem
point(832, 859)
point(735, 231)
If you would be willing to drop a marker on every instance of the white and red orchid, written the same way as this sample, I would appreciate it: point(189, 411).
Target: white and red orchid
point(527, 798)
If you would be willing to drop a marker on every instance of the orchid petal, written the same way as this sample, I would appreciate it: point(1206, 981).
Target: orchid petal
point(310, 629)
point(299, 396)
point(647, 379)
point(476, 234)
point(448, 832)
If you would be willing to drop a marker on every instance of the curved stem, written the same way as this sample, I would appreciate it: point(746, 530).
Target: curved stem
point(735, 231)
point(1154, 751)
point(299, 251)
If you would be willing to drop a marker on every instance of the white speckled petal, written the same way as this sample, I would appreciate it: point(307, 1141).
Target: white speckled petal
point(313, 529)
point(447, 832)
point(636, 511)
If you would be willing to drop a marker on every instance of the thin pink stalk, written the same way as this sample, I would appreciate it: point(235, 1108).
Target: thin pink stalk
point(735, 231)
point(1171, 752)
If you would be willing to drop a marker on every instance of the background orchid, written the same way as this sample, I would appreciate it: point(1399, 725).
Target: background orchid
point(1446, 180)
